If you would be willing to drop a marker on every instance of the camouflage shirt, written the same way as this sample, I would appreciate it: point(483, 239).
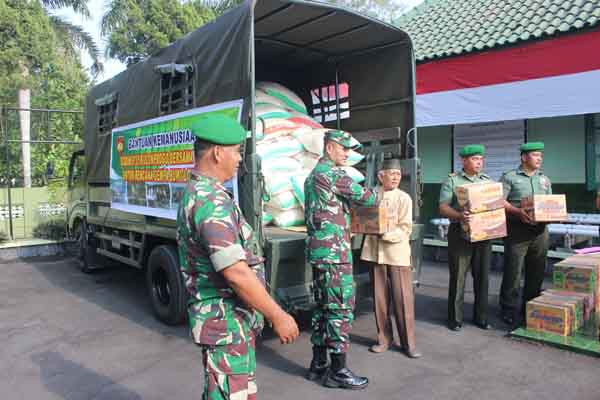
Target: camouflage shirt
point(329, 192)
point(212, 235)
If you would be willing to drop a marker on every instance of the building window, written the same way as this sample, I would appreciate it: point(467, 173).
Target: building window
point(176, 88)
point(107, 116)
point(324, 103)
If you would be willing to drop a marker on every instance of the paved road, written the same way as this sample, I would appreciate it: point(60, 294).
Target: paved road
point(66, 335)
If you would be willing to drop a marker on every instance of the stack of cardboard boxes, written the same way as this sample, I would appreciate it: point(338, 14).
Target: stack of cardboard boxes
point(576, 295)
point(485, 202)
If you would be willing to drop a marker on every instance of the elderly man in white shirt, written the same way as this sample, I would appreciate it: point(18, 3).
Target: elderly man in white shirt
point(391, 272)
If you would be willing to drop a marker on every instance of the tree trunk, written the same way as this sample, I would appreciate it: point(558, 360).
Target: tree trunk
point(24, 104)
point(25, 123)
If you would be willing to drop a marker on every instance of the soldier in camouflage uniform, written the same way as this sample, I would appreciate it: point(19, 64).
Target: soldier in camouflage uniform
point(329, 193)
point(224, 278)
point(526, 246)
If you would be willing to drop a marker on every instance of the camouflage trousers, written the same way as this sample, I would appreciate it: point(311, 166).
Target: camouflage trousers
point(333, 286)
point(230, 371)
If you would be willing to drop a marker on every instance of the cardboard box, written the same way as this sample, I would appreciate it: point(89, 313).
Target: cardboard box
point(575, 308)
point(579, 274)
point(373, 220)
point(485, 226)
point(542, 317)
point(587, 300)
point(546, 207)
point(480, 197)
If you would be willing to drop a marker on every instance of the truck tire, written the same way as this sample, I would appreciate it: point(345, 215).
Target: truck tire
point(165, 285)
point(86, 253)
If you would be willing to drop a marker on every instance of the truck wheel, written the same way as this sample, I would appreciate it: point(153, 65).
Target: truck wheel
point(165, 285)
point(86, 252)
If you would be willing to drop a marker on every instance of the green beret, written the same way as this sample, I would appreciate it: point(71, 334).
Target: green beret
point(531, 146)
point(472, 150)
point(343, 138)
point(219, 129)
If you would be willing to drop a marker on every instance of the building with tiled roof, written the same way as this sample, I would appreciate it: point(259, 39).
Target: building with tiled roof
point(443, 28)
point(502, 72)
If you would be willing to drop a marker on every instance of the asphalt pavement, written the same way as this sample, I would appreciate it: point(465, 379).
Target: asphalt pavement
point(68, 335)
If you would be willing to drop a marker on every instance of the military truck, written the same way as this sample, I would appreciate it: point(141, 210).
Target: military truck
point(314, 49)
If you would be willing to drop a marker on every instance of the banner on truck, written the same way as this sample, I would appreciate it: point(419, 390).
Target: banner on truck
point(151, 161)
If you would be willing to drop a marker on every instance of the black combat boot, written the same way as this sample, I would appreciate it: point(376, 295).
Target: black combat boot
point(319, 364)
point(340, 376)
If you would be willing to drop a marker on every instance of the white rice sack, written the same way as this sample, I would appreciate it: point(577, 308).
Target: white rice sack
point(262, 97)
point(268, 111)
point(277, 183)
point(271, 128)
point(298, 185)
point(283, 94)
point(305, 120)
point(283, 201)
point(354, 158)
point(287, 218)
point(281, 165)
point(355, 174)
point(308, 160)
point(266, 218)
point(312, 140)
point(283, 147)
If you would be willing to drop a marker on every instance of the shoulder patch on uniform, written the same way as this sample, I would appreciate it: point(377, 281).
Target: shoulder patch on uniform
point(452, 174)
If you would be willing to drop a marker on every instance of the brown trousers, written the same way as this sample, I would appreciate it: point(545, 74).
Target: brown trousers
point(393, 287)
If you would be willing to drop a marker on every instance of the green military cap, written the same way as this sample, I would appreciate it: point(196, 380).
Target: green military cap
point(219, 129)
point(532, 146)
point(472, 150)
point(342, 137)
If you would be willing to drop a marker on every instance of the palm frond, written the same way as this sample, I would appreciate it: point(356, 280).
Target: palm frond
point(79, 6)
point(219, 7)
point(114, 17)
point(76, 37)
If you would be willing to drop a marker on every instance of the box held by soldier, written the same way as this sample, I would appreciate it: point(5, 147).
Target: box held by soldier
point(546, 207)
point(480, 197)
point(549, 318)
point(373, 220)
point(485, 226)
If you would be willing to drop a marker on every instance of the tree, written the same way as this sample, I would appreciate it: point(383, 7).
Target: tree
point(38, 57)
point(138, 28)
point(31, 37)
point(385, 10)
point(219, 7)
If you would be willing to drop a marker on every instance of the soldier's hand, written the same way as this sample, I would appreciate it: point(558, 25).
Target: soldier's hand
point(525, 218)
point(285, 328)
point(466, 217)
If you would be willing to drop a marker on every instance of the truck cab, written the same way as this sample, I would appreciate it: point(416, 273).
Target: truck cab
point(353, 72)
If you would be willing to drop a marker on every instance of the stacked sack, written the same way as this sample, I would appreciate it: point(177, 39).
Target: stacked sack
point(290, 143)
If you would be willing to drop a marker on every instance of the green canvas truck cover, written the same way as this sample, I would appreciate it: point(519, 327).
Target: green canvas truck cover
point(300, 44)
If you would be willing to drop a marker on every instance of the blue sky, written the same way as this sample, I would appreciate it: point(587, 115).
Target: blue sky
point(111, 66)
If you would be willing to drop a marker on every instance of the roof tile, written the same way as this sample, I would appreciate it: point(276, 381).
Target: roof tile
point(441, 28)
